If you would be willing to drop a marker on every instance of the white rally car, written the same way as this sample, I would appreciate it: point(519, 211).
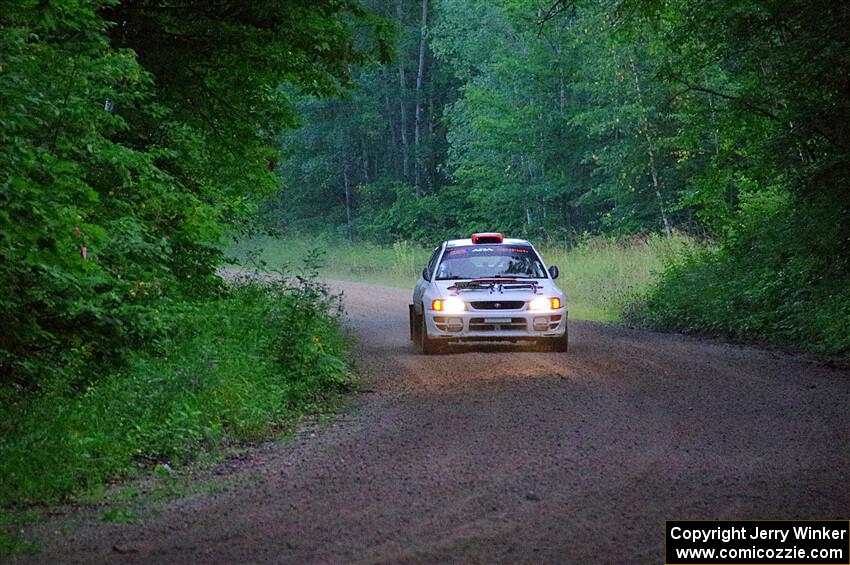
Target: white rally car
point(487, 288)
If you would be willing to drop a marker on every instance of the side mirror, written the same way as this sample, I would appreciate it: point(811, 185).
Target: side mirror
point(554, 271)
point(425, 274)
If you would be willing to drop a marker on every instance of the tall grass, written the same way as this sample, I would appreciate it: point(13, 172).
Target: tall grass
point(603, 275)
point(600, 275)
point(397, 265)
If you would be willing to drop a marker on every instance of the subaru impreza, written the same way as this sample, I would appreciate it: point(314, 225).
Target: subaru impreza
point(487, 288)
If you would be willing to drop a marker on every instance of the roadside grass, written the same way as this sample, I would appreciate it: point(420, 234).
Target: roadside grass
point(242, 367)
point(10, 523)
point(600, 275)
point(118, 516)
point(397, 264)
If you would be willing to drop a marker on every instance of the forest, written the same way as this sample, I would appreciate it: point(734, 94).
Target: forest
point(139, 139)
point(725, 122)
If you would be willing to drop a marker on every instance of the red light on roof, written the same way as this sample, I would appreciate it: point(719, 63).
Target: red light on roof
point(488, 237)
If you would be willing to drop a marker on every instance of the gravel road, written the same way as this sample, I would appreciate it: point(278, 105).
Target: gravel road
point(510, 455)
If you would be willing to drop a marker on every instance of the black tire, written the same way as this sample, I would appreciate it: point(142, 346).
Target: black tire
point(560, 344)
point(424, 344)
point(413, 321)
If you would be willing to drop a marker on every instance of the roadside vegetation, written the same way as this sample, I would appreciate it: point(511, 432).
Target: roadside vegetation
point(601, 275)
point(756, 289)
point(395, 265)
point(657, 281)
point(240, 366)
point(243, 366)
point(133, 137)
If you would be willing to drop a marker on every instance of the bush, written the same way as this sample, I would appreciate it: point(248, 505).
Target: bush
point(236, 367)
point(770, 281)
point(97, 234)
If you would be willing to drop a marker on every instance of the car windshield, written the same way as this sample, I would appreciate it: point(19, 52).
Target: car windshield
point(489, 261)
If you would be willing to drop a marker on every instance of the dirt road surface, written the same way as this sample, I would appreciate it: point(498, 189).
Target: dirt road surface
point(511, 455)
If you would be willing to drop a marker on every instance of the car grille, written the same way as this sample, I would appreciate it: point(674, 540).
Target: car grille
point(498, 305)
point(479, 325)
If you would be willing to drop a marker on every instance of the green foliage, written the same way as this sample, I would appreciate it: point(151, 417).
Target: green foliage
point(393, 212)
point(237, 367)
point(758, 91)
point(133, 135)
point(362, 139)
point(533, 130)
point(761, 284)
point(70, 258)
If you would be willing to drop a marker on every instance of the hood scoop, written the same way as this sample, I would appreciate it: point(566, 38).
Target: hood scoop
point(495, 285)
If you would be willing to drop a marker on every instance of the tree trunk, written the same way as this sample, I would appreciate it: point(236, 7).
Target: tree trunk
point(402, 92)
point(365, 161)
point(431, 107)
point(713, 122)
point(430, 180)
point(347, 188)
point(389, 159)
point(562, 94)
point(650, 150)
point(417, 136)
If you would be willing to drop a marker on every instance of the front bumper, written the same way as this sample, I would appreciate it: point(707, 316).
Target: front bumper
point(477, 325)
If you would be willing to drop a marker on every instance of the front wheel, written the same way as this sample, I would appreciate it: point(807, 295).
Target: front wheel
point(425, 344)
point(560, 344)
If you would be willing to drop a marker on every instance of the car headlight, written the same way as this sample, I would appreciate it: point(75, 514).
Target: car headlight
point(544, 304)
point(450, 305)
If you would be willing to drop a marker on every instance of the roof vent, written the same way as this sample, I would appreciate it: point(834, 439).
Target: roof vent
point(488, 237)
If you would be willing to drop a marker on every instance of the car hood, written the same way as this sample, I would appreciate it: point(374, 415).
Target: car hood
point(503, 292)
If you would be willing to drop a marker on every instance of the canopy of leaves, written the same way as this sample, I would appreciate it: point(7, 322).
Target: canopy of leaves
point(132, 135)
